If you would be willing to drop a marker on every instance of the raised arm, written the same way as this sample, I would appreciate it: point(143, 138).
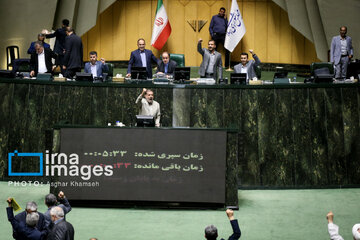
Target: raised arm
point(234, 224)
point(64, 203)
point(333, 229)
point(256, 58)
point(199, 48)
point(140, 97)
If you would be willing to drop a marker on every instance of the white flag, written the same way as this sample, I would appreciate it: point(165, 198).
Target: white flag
point(236, 27)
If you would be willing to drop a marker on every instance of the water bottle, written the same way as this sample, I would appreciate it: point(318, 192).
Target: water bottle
point(294, 79)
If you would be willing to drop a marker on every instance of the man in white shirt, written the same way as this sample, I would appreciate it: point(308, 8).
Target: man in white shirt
point(333, 229)
point(247, 66)
point(341, 52)
point(148, 106)
point(40, 61)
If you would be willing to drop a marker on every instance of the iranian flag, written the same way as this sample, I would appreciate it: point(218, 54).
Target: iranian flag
point(162, 28)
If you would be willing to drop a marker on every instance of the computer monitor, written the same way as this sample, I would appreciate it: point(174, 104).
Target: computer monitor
point(280, 75)
point(138, 73)
point(238, 78)
point(84, 77)
point(7, 74)
point(182, 73)
point(145, 121)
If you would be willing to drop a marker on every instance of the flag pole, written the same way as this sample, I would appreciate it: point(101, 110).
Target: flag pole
point(229, 69)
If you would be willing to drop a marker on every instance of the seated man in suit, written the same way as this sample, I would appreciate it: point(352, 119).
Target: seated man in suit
point(94, 66)
point(246, 66)
point(40, 61)
point(166, 66)
point(29, 224)
point(61, 229)
point(41, 38)
point(211, 230)
point(212, 63)
point(141, 58)
point(51, 201)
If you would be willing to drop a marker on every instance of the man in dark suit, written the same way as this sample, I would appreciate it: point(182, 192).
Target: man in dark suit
point(94, 66)
point(211, 230)
point(59, 47)
point(73, 53)
point(51, 201)
point(141, 58)
point(41, 38)
point(166, 66)
point(40, 61)
point(29, 224)
point(60, 229)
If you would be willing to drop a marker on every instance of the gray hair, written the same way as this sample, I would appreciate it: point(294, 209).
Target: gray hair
point(32, 219)
point(32, 206)
point(57, 211)
point(211, 232)
point(38, 43)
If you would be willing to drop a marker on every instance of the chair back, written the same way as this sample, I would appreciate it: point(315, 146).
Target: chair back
point(258, 71)
point(318, 65)
point(178, 58)
point(12, 53)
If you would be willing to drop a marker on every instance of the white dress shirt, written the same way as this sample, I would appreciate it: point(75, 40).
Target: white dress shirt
point(41, 63)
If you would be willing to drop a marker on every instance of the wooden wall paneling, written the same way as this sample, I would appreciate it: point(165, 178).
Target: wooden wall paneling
point(132, 31)
point(273, 39)
point(106, 34)
point(297, 47)
point(94, 40)
point(285, 38)
point(119, 36)
point(190, 38)
point(177, 39)
point(261, 30)
point(248, 14)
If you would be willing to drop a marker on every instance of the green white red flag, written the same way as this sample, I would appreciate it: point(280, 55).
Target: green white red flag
point(162, 28)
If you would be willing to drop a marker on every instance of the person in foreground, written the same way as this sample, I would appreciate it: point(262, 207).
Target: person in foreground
point(211, 231)
point(60, 229)
point(333, 229)
point(148, 106)
point(27, 229)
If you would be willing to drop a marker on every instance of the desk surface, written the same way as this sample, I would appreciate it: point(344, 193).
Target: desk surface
point(180, 86)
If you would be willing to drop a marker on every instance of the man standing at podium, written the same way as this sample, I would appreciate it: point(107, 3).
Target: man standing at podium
point(141, 58)
point(148, 106)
